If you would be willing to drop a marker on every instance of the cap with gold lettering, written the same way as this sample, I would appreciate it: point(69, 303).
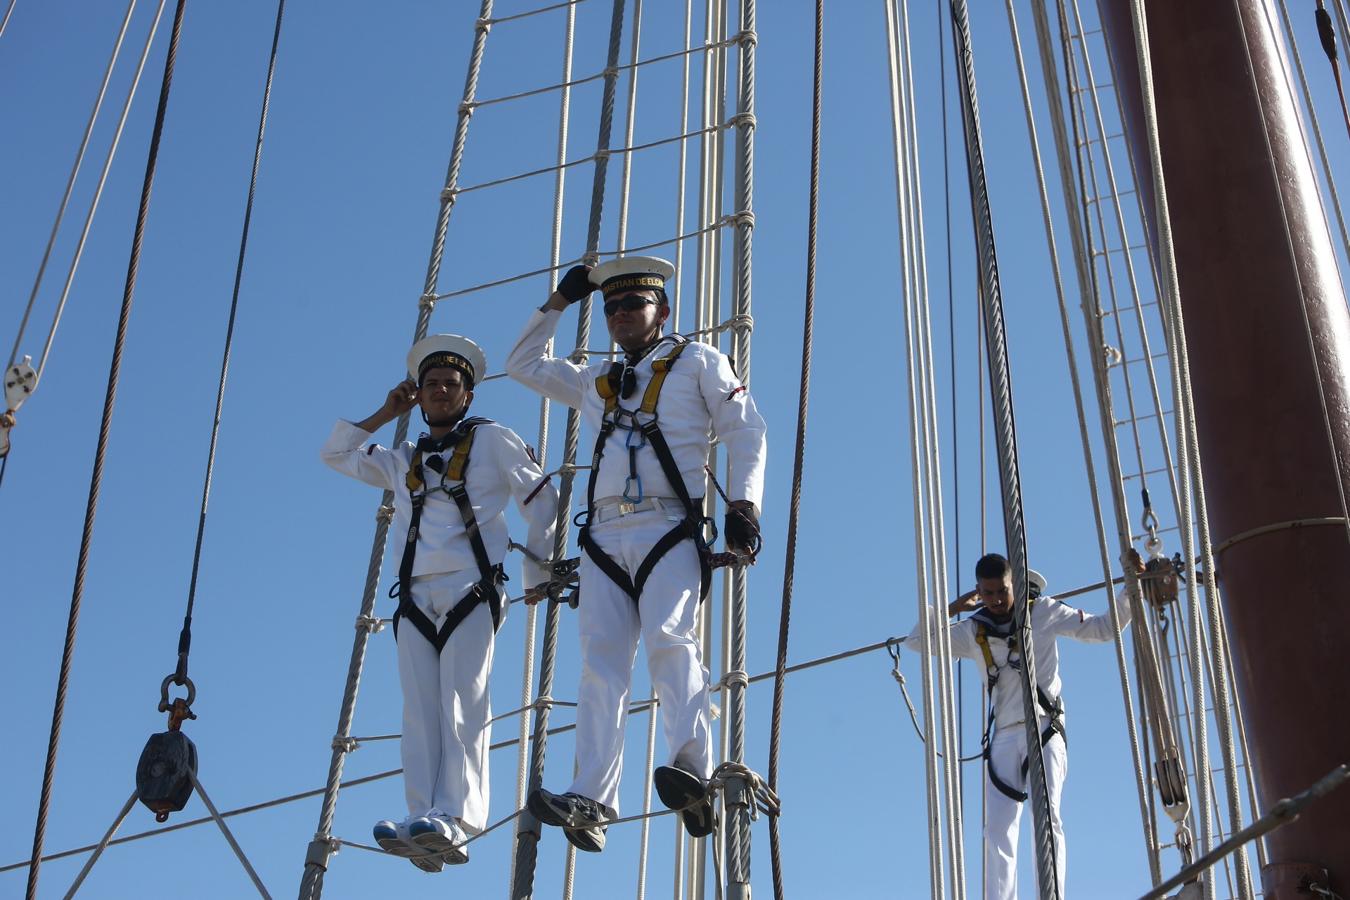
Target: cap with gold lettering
point(447, 351)
point(632, 273)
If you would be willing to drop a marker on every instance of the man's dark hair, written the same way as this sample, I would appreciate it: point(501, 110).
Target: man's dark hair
point(992, 565)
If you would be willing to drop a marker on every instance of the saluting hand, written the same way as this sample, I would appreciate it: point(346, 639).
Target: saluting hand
point(401, 399)
point(967, 602)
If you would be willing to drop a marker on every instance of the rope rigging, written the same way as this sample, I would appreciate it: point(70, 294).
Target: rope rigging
point(96, 478)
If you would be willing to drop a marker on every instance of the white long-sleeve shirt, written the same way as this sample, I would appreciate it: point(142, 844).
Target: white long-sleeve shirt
point(500, 467)
point(1050, 620)
point(700, 392)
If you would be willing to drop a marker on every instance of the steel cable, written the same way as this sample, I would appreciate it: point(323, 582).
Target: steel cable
point(799, 455)
point(96, 478)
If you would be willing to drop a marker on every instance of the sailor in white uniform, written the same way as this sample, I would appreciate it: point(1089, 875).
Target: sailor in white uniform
point(987, 637)
point(450, 491)
point(644, 563)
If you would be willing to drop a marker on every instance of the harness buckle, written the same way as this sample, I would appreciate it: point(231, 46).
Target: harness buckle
point(627, 508)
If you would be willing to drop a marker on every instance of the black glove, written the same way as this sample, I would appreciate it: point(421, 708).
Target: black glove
point(741, 529)
point(576, 284)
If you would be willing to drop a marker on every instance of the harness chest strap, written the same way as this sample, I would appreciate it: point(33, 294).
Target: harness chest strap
point(690, 527)
point(490, 576)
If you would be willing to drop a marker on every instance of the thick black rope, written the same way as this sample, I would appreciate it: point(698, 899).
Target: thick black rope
point(96, 479)
point(803, 394)
point(1005, 435)
point(185, 637)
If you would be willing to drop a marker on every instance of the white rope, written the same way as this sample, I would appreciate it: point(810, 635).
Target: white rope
point(647, 801)
point(98, 192)
point(1084, 262)
point(681, 173)
point(930, 620)
point(102, 845)
point(630, 122)
point(70, 181)
point(229, 836)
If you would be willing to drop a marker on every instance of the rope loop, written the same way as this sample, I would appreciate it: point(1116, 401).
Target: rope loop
point(578, 356)
point(427, 301)
point(746, 119)
point(385, 513)
point(346, 744)
point(746, 38)
point(466, 108)
point(483, 25)
point(763, 799)
point(744, 217)
point(736, 677)
point(371, 624)
point(449, 195)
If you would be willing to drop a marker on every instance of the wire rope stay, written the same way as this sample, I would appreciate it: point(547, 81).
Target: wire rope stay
point(96, 477)
point(799, 454)
point(321, 848)
point(1006, 442)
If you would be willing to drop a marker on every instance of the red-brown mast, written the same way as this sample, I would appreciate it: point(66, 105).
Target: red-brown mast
point(1258, 278)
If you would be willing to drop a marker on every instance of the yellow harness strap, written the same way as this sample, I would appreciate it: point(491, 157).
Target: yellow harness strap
point(982, 638)
point(454, 470)
point(660, 369)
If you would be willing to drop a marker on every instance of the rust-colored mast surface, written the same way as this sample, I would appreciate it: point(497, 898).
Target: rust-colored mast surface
point(1258, 276)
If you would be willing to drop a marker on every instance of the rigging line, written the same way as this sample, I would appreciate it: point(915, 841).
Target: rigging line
point(1006, 439)
point(569, 5)
point(799, 454)
point(96, 477)
point(647, 804)
point(528, 827)
point(682, 166)
point(630, 121)
point(926, 612)
point(1328, 37)
point(545, 416)
point(633, 709)
point(1053, 94)
point(933, 468)
point(8, 12)
point(320, 850)
point(98, 191)
point(1187, 476)
point(70, 181)
point(180, 674)
point(736, 803)
point(1330, 48)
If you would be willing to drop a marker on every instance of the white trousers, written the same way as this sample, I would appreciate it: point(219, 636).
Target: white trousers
point(1003, 815)
point(609, 624)
point(446, 705)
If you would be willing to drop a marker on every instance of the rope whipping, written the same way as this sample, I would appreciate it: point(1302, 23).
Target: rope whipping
point(528, 827)
point(180, 675)
point(799, 454)
point(322, 847)
point(70, 181)
point(1006, 442)
point(96, 478)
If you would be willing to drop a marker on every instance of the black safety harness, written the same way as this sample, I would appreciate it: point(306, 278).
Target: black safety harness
point(488, 589)
point(1051, 707)
point(642, 428)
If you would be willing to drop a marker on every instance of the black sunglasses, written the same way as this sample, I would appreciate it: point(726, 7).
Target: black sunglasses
point(628, 303)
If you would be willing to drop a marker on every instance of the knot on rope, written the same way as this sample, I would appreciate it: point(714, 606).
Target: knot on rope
point(744, 217)
point(736, 677)
point(384, 513)
point(746, 38)
point(603, 153)
point(744, 323)
point(483, 25)
point(449, 195)
point(428, 301)
point(371, 624)
point(610, 72)
point(735, 780)
point(578, 356)
point(346, 744)
point(742, 118)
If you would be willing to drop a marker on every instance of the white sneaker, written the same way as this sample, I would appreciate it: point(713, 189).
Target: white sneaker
point(441, 835)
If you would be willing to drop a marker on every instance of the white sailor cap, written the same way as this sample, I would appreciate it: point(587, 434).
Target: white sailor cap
point(452, 350)
point(1036, 583)
point(632, 273)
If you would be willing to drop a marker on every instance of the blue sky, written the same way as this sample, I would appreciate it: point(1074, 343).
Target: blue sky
point(362, 118)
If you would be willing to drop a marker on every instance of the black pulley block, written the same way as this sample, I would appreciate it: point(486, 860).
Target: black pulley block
point(165, 771)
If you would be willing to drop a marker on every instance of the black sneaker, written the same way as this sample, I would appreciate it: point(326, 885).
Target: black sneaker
point(571, 811)
point(682, 790)
point(588, 840)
